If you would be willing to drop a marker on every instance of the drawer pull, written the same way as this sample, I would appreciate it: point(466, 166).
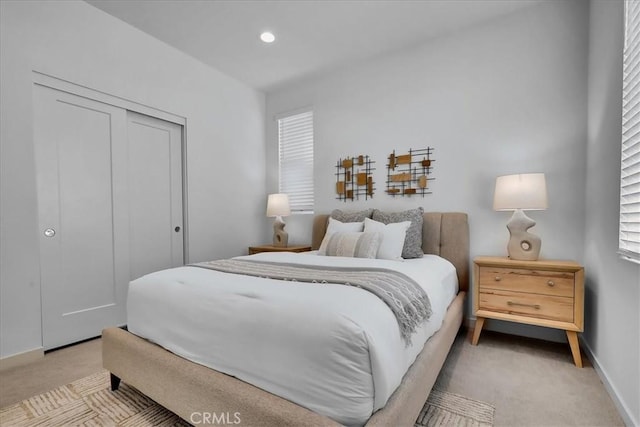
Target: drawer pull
point(536, 306)
point(551, 283)
point(498, 278)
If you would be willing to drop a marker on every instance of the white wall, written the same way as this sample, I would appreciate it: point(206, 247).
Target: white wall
point(506, 96)
point(79, 43)
point(612, 303)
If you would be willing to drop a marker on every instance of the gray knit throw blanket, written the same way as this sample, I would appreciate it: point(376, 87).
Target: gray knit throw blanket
point(407, 300)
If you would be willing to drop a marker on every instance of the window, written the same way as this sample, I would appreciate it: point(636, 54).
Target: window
point(629, 242)
point(295, 140)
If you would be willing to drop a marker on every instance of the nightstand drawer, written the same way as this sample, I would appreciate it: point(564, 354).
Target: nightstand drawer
point(530, 281)
point(531, 305)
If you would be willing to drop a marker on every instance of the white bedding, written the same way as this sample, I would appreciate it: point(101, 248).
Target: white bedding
point(334, 349)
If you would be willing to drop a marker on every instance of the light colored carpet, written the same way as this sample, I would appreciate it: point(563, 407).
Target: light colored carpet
point(56, 368)
point(531, 383)
point(89, 401)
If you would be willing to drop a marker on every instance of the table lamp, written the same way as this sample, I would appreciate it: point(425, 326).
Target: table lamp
point(278, 206)
point(519, 193)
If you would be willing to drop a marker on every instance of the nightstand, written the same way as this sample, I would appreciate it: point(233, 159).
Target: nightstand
point(544, 293)
point(271, 248)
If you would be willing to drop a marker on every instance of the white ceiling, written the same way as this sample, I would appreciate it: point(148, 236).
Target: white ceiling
point(312, 36)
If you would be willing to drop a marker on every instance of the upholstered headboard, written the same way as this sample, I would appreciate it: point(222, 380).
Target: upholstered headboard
point(443, 233)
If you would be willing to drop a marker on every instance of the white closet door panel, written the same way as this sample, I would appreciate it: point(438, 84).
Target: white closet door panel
point(84, 267)
point(86, 218)
point(155, 194)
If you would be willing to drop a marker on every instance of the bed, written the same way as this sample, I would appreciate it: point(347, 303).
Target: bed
point(186, 387)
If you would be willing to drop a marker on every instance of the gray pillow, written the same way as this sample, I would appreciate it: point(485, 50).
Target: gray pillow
point(413, 242)
point(358, 216)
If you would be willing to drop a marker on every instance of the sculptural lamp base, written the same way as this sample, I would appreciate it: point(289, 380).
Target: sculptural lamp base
point(280, 237)
point(522, 245)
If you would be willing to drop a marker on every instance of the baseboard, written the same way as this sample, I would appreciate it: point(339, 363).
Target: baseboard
point(623, 410)
point(21, 358)
point(520, 329)
point(469, 323)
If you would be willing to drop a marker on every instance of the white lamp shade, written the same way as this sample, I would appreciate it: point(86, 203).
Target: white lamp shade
point(278, 205)
point(522, 191)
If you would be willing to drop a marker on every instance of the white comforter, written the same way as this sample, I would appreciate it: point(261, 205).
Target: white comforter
point(334, 349)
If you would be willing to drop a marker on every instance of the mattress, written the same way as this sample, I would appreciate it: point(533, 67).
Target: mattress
point(333, 349)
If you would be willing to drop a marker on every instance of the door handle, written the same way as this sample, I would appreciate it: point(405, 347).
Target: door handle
point(49, 232)
point(177, 229)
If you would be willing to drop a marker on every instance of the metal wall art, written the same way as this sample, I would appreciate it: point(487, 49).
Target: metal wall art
point(354, 178)
point(409, 174)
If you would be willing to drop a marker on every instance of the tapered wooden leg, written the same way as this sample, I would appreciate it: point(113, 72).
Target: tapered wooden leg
point(115, 382)
point(575, 348)
point(477, 329)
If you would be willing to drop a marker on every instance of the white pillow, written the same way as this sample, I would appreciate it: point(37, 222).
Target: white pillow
point(393, 236)
point(348, 227)
point(336, 226)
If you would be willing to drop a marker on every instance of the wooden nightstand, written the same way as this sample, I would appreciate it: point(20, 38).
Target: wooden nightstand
point(543, 293)
point(271, 248)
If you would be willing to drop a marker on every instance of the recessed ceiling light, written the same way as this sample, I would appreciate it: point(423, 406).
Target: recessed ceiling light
point(267, 37)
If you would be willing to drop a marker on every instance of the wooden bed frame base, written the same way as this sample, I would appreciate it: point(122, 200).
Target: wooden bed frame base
point(187, 388)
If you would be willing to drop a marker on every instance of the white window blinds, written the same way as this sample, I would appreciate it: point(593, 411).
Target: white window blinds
point(295, 138)
point(629, 244)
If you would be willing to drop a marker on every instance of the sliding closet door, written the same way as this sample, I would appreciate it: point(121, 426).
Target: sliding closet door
point(110, 209)
point(155, 194)
point(81, 158)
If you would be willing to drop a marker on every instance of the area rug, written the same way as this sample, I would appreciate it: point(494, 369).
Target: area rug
point(449, 409)
point(90, 402)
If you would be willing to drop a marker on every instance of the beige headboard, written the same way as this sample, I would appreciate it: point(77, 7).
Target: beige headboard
point(443, 233)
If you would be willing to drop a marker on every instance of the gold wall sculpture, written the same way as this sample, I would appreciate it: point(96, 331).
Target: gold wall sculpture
point(409, 174)
point(354, 178)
